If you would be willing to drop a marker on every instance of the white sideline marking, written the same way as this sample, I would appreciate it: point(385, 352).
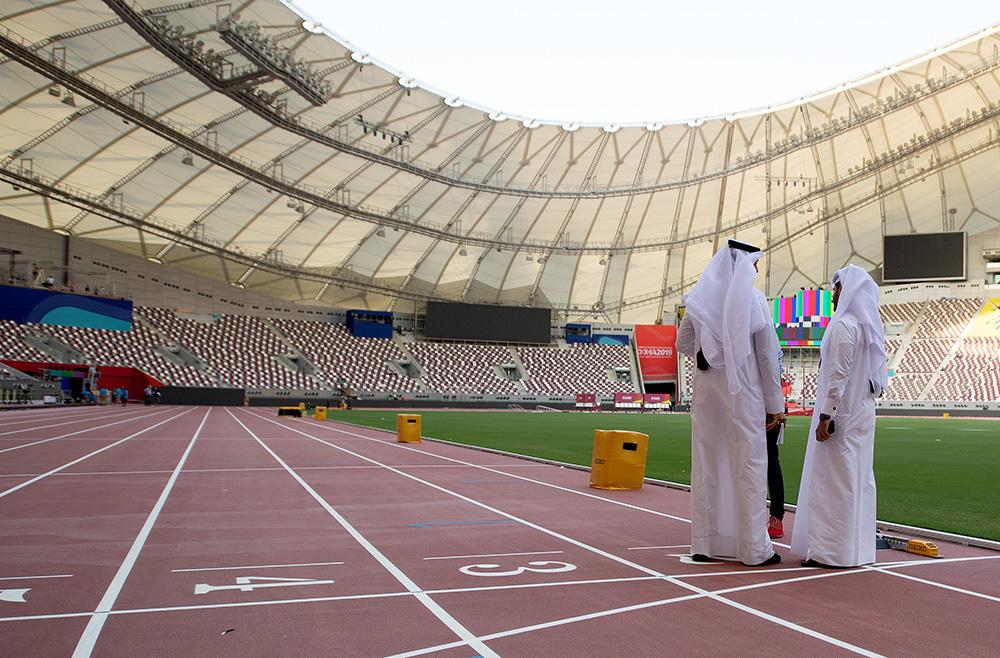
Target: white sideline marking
point(951, 588)
point(87, 456)
point(257, 566)
point(649, 548)
point(100, 615)
point(248, 469)
point(593, 549)
point(485, 468)
point(55, 415)
point(68, 422)
point(615, 502)
point(456, 557)
point(60, 575)
point(322, 599)
point(461, 631)
point(89, 429)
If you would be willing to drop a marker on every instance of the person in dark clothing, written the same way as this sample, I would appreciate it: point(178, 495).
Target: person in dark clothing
point(775, 484)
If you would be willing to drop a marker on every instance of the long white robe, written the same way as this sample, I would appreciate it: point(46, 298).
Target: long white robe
point(835, 517)
point(729, 448)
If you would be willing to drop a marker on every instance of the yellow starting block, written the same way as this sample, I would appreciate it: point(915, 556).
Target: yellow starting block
point(915, 546)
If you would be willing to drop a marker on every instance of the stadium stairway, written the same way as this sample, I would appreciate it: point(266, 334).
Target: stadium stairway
point(525, 378)
point(943, 366)
point(419, 381)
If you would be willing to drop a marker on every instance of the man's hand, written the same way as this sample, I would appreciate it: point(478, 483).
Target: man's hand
point(774, 420)
point(823, 429)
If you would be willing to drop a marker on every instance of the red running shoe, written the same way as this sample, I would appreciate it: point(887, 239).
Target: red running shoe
point(775, 529)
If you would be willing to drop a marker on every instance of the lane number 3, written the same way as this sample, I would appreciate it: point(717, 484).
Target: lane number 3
point(534, 567)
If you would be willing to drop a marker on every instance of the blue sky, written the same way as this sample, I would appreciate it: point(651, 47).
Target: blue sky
point(630, 61)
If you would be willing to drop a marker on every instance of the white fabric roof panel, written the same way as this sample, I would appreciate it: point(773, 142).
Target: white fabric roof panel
point(307, 190)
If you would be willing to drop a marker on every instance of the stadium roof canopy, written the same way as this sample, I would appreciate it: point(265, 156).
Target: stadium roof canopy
point(248, 144)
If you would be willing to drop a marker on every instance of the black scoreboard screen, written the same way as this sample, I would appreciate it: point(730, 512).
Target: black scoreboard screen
point(502, 324)
point(923, 257)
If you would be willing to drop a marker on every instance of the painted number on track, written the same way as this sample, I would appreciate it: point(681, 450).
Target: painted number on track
point(250, 583)
point(534, 567)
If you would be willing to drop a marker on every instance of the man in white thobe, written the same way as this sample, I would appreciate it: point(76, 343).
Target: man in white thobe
point(835, 518)
point(727, 328)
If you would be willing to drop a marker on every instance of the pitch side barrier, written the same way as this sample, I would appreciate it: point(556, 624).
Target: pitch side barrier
point(934, 408)
point(368, 399)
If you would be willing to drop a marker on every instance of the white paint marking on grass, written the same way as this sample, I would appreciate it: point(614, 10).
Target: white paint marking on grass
point(457, 557)
point(257, 566)
point(89, 429)
point(443, 615)
point(100, 615)
point(650, 548)
point(26, 483)
point(593, 549)
point(59, 575)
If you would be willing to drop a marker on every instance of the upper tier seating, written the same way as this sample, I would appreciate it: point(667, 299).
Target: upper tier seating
point(12, 345)
point(361, 362)
point(972, 375)
point(946, 318)
point(457, 368)
point(135, 348)
point(900, 313)
point(240, 348)
point(578, 368)
point(924, 355)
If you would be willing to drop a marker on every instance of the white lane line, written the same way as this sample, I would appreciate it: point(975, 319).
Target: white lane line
point(461, 631)
point(581, 493)
point(59, 575)
point(593, 549)
point(486, 468)
point(457, 557)
point(89, 429)
point(934, 583)
point(228, 470)
point(26, 483)
point(623, 609)
point(649, 548)
point(257, 566)
point(76, 413)
point(93, 630)
point(321, 599)
point(68, 422)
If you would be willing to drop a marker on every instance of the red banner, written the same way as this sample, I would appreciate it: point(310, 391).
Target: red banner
point(655, 345)
point(632, 400)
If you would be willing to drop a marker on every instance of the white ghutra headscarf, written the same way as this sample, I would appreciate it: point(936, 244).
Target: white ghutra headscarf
point(859, 300)
point(725, 309)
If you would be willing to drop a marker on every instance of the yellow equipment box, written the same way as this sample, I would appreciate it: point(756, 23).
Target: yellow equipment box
point(619, 459)
point(408, 428)
point(319, 413)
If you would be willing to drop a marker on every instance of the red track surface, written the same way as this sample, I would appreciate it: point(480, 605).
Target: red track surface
point(154, 531)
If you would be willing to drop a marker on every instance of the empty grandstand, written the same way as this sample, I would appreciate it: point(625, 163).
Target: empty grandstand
point(157, 152)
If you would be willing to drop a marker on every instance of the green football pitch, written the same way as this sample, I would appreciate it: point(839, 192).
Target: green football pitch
point(930, 472)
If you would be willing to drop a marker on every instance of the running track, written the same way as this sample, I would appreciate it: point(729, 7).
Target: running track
point(166, 531)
